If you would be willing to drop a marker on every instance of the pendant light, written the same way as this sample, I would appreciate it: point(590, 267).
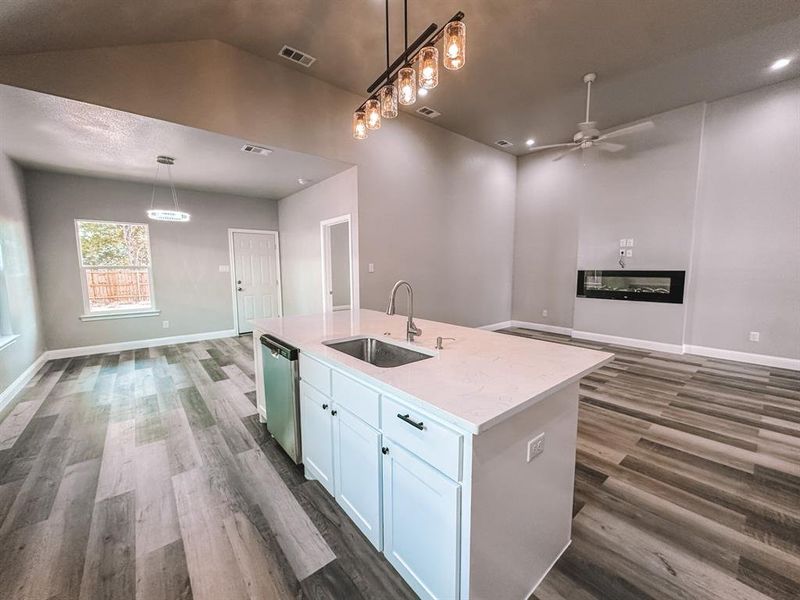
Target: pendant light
point(455, 45)
point(400, 83)
point(166, 214)
point(372, 108)
point(428, 67)
point(360, 125)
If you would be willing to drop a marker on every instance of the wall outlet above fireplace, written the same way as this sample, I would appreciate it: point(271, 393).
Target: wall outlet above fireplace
point(755, 336)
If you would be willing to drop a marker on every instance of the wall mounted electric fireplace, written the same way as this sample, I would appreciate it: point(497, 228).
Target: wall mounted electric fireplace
point(641, 286)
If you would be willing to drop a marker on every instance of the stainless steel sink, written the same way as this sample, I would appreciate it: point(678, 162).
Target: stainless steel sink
point(377, 352)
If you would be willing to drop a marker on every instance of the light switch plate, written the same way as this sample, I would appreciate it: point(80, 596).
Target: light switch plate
point(535, 447)
point(622, 242)
point(371, 267)
point(629, 242)
point(755, 336)
point(224, 268)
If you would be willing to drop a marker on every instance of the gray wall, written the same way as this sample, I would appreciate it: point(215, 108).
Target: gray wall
point(189, 289)
point(436, 208)
point(21, 291)
point(746, 270)
point(713, 190)
point(340, 264)
point(301, 250)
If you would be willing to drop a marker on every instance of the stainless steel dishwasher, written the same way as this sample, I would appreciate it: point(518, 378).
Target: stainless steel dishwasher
point(281, 393)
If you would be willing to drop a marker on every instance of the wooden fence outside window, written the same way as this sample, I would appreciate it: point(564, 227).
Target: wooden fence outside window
point(111, 288)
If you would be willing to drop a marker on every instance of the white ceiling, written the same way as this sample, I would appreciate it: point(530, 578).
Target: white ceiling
point(51, 133)
point(525, 58)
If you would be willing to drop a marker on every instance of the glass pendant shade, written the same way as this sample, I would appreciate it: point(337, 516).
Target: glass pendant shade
point(407, 85)
point(388, 101)
point(373, 110)
point(455, 45)
point(360, 125)
point(428, 67)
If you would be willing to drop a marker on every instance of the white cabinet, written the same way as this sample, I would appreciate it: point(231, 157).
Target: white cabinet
point(421, 516)
point(357, 472)
point(316, 435)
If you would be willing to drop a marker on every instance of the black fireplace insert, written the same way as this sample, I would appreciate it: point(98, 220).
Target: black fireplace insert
point(640, 286)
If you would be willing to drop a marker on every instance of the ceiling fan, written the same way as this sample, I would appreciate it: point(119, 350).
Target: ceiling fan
point(589, 136)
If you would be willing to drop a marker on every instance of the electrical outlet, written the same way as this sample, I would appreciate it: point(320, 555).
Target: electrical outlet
point(544, 312)
point(629, 253)
point(165, 324)
point(535, 447)
point(754, 336)
point(371, 267)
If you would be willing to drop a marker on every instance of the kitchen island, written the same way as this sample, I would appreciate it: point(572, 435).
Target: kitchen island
point(458, 466)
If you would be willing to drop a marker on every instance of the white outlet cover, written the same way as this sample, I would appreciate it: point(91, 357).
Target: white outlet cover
point(535, 447)
point(165, 324)
point(755, 336)
point(629, 253)
point(544, 312)
point(224, 268)
point(371, 267)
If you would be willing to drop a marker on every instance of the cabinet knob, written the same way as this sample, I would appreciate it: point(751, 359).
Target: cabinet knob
point(333, 412)
point(324, 406)
point(385, 450)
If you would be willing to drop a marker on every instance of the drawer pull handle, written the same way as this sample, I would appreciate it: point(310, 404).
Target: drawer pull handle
point(333, 413)
point(324, 406)
point(410, 421)
point(385, 450)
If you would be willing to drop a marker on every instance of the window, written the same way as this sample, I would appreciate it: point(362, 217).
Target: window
point(116, 274)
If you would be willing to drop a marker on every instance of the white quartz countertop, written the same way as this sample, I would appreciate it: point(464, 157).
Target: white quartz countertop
point(475, 382)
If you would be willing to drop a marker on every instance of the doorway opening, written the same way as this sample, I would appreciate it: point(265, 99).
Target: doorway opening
point(337, 264)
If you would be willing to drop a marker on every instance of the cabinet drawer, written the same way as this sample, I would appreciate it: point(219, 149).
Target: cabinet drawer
point(434, 443)
point(315, 373)
point(362, 401)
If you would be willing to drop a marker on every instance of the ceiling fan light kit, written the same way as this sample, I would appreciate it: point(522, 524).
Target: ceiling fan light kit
point(400, 82)
point(589, 136)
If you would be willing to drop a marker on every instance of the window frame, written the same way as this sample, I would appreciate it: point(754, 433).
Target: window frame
point(117, 313)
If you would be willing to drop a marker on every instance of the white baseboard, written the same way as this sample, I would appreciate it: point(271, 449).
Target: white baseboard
point(542, 327)
point(496, 326)
point(745, 357)
point(631, 342)
point(8, 394)
point(136, 344)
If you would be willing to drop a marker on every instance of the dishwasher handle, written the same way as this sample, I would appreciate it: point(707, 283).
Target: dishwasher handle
point(279, 347)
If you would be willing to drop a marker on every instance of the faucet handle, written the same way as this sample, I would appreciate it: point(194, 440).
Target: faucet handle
point(439, 340)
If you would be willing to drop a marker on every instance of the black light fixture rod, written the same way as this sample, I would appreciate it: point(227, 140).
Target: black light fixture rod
point(430, 36)
point(405, 28)
point(387, 40)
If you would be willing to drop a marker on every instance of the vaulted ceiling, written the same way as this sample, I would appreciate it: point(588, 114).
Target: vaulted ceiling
point(525, 58)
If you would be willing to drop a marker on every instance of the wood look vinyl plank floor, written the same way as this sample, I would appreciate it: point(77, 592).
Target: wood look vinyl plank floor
point(146, 474)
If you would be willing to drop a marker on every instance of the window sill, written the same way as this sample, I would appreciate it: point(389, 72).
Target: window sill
point(119, 315)
point(7, 340)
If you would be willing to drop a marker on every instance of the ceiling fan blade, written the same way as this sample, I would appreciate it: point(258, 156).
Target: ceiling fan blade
point(628, 130)
point(564, 145)
point(563, 154)
point(609, 146)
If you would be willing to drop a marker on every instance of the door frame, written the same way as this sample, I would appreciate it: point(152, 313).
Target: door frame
point(325, 247)
point(232, 267)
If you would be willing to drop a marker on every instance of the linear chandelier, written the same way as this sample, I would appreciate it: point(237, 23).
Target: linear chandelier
point(399, 82)
point(166, 214)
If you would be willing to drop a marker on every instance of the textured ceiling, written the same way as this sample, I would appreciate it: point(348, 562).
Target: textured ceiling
point(525, 58)
point(51, 133)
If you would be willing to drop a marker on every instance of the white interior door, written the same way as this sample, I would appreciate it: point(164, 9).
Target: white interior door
point(255, 264)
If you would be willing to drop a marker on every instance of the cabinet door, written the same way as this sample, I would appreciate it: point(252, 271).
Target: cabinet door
point(316, 435)
point(421, 517)
point(357, 468)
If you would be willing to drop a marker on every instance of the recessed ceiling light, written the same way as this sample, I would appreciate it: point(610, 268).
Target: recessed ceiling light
point(422, 92)
point(780, 64)
point(530, 142)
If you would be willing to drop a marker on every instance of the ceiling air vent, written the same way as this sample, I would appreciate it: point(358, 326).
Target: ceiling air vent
point(256, 150)
point(503, 143)
point(295, 55)
point(427, 111)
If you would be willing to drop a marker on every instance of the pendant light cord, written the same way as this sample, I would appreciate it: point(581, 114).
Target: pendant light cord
point(171, 187)
point(387, 42)
point(405, 23)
